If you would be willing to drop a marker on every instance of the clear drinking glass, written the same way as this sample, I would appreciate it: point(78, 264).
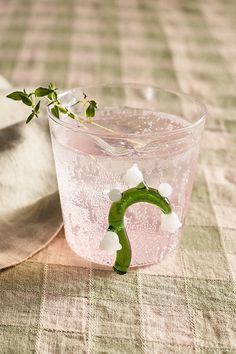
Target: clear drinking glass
point(135, 124)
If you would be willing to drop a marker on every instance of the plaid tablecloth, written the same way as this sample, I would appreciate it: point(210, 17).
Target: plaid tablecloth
point(53, 303)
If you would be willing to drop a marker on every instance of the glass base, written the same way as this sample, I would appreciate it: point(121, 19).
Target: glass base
point(142, 255)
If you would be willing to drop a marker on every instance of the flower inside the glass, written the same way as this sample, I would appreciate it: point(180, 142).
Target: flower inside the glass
point(125, 179)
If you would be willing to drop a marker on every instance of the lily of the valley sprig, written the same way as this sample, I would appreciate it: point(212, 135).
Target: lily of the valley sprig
point(115, 240)
point(33, 100)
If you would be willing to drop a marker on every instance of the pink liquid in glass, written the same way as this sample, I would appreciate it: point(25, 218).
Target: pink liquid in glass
point(89, 166)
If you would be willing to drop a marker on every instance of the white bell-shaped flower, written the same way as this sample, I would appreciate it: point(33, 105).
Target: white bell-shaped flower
point(170, 222)
point(115, 195)
point(133, 176)
point(110, 242)
point(165, 190)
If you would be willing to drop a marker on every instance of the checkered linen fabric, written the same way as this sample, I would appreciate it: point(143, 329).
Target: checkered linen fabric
point(187, 303)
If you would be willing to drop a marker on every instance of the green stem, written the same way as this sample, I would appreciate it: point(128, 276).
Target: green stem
point(141, 193)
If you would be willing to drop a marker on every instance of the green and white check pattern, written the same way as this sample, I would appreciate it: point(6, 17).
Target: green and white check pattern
point(187, 303)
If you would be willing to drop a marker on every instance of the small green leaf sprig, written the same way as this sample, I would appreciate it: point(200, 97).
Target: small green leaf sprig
point(32, 99)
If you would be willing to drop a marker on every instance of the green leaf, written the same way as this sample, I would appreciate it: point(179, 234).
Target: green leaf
point(55, 111)
point(52, 87)
point(36, 109)
point(71, 115)
point(25, 99)
point(31, 116)
point(90, 111)
point(16, 95)
point(42, 91)
point(53, 96)
point(93, 103)
point(62, 109)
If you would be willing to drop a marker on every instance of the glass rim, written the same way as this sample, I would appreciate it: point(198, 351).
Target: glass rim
point(203, 111)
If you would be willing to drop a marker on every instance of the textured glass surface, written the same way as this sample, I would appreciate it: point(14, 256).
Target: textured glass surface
point(90, 165)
